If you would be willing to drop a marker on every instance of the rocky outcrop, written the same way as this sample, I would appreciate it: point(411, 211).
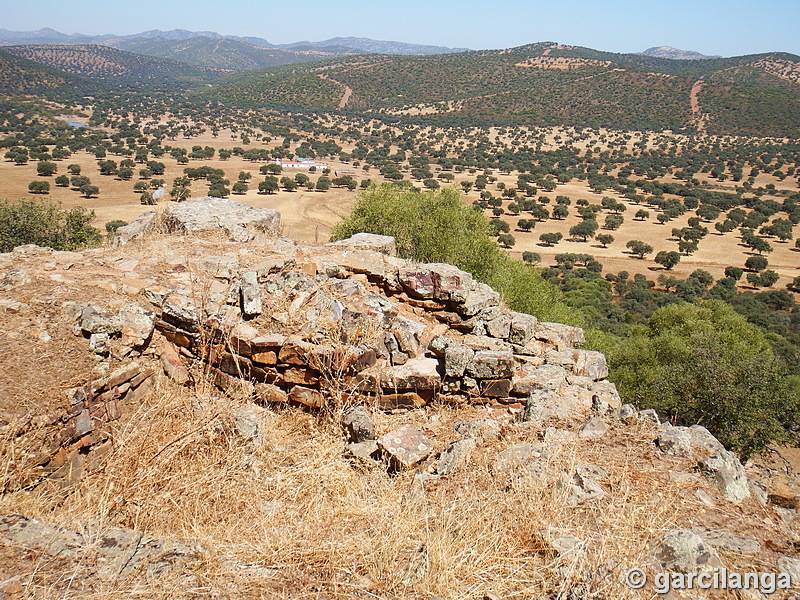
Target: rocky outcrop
point(122, 553)
point(722, 468)
point(383, 345)
point(238, 220)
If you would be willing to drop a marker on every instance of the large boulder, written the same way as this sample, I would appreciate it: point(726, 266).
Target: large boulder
point(138, 228)
point(237, 219)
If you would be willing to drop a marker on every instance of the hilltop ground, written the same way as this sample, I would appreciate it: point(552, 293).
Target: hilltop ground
point(279, 512)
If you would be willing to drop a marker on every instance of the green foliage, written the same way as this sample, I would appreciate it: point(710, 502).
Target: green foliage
point(550, 239)
point(605, 239)
point(45, 224)
point(703, 363)
point(435, 226)
point(532, 258)
point(39, 187)
point(112, 226)
point(639, 248)
point(756, 263)
point(668, 259)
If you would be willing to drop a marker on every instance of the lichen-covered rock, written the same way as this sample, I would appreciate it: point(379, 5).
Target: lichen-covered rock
point(135, 324)
point(486, 364)
point(583, 485)
point(522, 329)
point(359, 425)
point(180, 311)
point(405, 447)
point(591, 364)
point(250, 294)
point(695, 442)
point(546, 377)
point(479, 299)
point(479, 428)
point(93, 320)
point(408, 334)
point(457, 358)
point(499, 327)
point(605, 397)
point(560, 336)
point(524, 458)
point(238, 220)
point(684, 551)
point(455, 456)
point(728, 476)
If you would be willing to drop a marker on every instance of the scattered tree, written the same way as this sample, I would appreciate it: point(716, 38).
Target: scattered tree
point(639, 248)
point(668, 259)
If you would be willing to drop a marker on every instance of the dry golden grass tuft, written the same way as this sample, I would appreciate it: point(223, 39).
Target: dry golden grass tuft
point(286, 516)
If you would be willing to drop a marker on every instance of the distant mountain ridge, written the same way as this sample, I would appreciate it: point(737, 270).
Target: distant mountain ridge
point(342, 45)
point(371, 46)
point(676, 54)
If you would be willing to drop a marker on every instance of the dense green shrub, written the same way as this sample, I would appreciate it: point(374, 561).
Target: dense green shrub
point(436, 226)
point(704, 363)
point(45, 224)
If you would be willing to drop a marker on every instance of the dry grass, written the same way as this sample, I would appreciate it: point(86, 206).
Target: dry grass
point(285, 516)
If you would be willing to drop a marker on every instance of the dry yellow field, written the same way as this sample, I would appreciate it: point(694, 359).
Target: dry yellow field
point(309, 215)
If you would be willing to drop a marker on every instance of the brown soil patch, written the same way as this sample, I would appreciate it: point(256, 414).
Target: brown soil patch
point(698, 119)
point(785, 69)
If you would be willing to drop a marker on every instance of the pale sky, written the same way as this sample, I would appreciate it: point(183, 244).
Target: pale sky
point(724, 27)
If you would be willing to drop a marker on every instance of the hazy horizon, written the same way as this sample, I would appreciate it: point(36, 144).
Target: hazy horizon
point(727, 28)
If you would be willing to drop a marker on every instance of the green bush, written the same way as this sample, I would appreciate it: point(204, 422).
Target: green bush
point(704, 363)
point(436, 226)
point(45, 224)
point(112, 226)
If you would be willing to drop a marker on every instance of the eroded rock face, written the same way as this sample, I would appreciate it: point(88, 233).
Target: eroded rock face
point(237, 219)
point(385, 244)
point(136, 229)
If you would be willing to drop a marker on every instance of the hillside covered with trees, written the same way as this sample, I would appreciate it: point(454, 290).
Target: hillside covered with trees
point(545, 85)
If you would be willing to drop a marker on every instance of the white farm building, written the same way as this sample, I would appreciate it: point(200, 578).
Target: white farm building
point(300, 163)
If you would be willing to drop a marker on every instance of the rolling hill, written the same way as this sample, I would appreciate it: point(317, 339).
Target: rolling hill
point(675, 53)
point(22, 76)
point(221, 53)
point(103, 62)
point(545, 84)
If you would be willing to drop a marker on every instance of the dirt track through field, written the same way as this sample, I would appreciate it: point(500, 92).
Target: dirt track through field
point(697, 113)
point(347, 90)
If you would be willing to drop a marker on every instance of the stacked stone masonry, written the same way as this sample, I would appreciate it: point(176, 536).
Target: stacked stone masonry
point(361, 321)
